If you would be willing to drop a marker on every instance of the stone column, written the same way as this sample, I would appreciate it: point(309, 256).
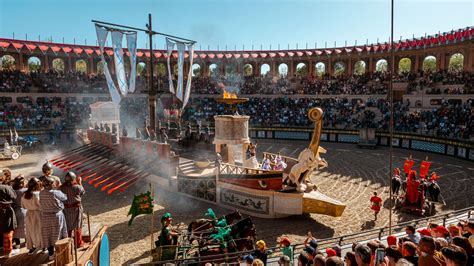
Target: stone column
point(310, 67)
point(469, 60)
point(273, 69)
point(441, 62)
point(291, 68)
point(416, 66)
point(46, 63)
point(90, 66)
point(329, 68)
point(349, 66)
point(20, 64)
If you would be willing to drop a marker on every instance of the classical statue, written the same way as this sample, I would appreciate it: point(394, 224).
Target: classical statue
point(309, 159)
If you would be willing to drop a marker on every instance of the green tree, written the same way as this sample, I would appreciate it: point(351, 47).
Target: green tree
point(429, 64)
point(283, 70)
point(58, 65)
point(320, 69)
point(213, 70)
point(81, 66)
point(160, 70)
point(339, 69)
point(34, 64)
point(456, 62)
point(247, 69)
point(197, 71)
point(7, 62)
point(141, 69)
point(381, 66)
point(359, 67)
point(404, 66)
point(302, 71)
point(100, 68)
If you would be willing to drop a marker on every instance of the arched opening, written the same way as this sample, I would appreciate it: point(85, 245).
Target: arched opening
point(360, 67)
point(81, 66)
point(429, 64)
point(381, 66)
point(264, 69)
point(100, 68)
point(283, 70)
point(160, 70)
point(320, 69)
point(58, 65)
point(248, 70)
point(213, 70)
point(34, 64)
point(196, 70)
point(230, 69)
point(301, 70)
point(141, 69)
point(175, 70)
point(404, 65)
point(456, 62)
point(7, 63)
point(339, 68)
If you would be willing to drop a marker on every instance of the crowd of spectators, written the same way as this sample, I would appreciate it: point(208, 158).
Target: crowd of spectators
point(57, 82)
point(435, 245)
point(366, 84)
point(447, 120)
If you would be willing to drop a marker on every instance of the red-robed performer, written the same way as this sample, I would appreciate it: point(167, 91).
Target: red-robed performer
point(434, 177)
point(376, 202)
point(412, 188)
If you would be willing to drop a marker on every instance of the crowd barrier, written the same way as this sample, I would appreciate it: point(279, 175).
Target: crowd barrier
point(344, 241)
point(457, 148)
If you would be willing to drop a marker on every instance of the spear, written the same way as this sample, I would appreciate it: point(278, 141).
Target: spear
point(72, 150)
point(72, 155)
point(130, 174)
point(86, 159)
point(102, 162)
point(138, 175)
point(111, 171)
point(79, 156)
point(126, 172)
point(106, 169)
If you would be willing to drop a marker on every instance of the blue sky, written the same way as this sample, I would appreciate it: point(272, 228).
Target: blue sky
point(237, 23)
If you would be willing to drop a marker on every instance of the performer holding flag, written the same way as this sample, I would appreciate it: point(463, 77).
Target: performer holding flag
point(424, 169)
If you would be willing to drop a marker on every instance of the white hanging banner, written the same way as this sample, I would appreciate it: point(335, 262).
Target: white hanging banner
point(170, 47)
point(187, 91)
point(101, 39)
point(117, 37)
point(179, 90)
point(132, 48)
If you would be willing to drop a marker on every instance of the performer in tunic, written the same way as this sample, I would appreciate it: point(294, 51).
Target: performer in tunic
point(280, 165)
point(48, 172)
point(376, 202)
point(266, 163)
point(167, 237)
point(30, 202)
point(18, 185)
point(73, 211)
point(53, 223)
point(7, 217)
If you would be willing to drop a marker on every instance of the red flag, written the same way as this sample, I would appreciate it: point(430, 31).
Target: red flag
point(408, 165)
point(424, 169)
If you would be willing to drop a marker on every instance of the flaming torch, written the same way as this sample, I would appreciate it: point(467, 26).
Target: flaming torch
point(231, 99)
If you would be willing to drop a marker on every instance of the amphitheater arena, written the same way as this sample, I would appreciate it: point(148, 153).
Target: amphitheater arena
point(353, 174)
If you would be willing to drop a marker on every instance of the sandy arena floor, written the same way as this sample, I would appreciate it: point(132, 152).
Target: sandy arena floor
point(351, 177)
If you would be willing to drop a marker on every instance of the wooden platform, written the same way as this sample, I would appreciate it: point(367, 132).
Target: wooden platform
point(42, 258)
